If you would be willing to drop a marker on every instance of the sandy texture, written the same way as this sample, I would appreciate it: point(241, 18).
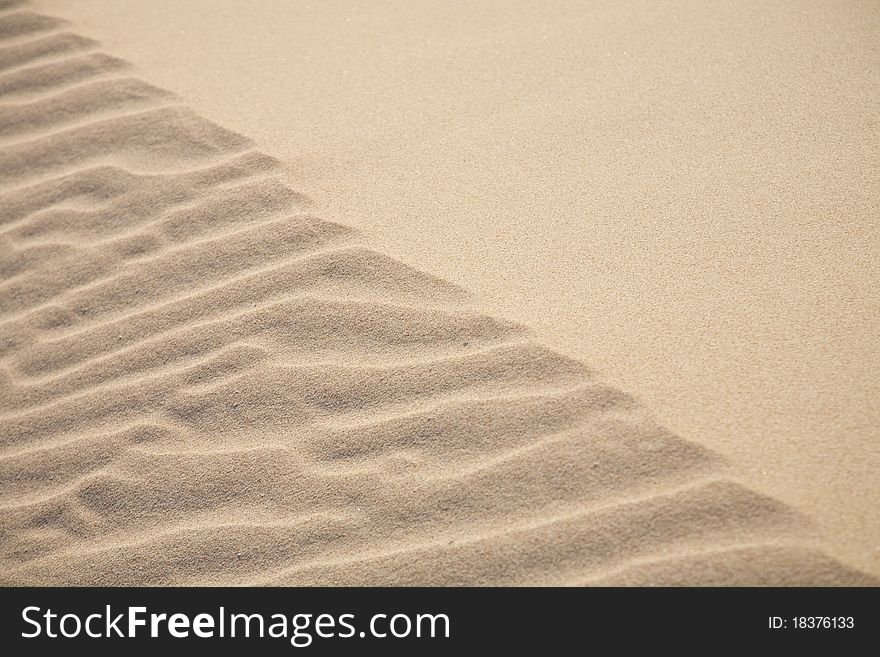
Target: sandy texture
point(682, 194)
point(203, 383)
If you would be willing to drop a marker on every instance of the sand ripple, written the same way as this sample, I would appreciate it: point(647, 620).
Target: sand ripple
point(202, 383)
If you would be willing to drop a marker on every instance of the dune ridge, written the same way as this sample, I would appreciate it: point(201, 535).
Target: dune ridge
point(202, 383)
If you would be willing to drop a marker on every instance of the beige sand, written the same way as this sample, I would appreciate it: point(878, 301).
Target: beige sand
point(203, 383)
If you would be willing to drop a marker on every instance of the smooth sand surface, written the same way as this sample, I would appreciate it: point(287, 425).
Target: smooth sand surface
point(219, 367)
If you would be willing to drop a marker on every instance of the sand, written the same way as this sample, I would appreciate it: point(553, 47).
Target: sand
point(362, 296)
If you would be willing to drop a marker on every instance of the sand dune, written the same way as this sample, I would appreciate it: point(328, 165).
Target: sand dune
point(204, 384)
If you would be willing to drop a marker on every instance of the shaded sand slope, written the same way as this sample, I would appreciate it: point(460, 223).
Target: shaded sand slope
point(203, 384)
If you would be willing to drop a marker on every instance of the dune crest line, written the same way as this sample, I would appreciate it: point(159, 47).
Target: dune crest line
point(202, 383)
